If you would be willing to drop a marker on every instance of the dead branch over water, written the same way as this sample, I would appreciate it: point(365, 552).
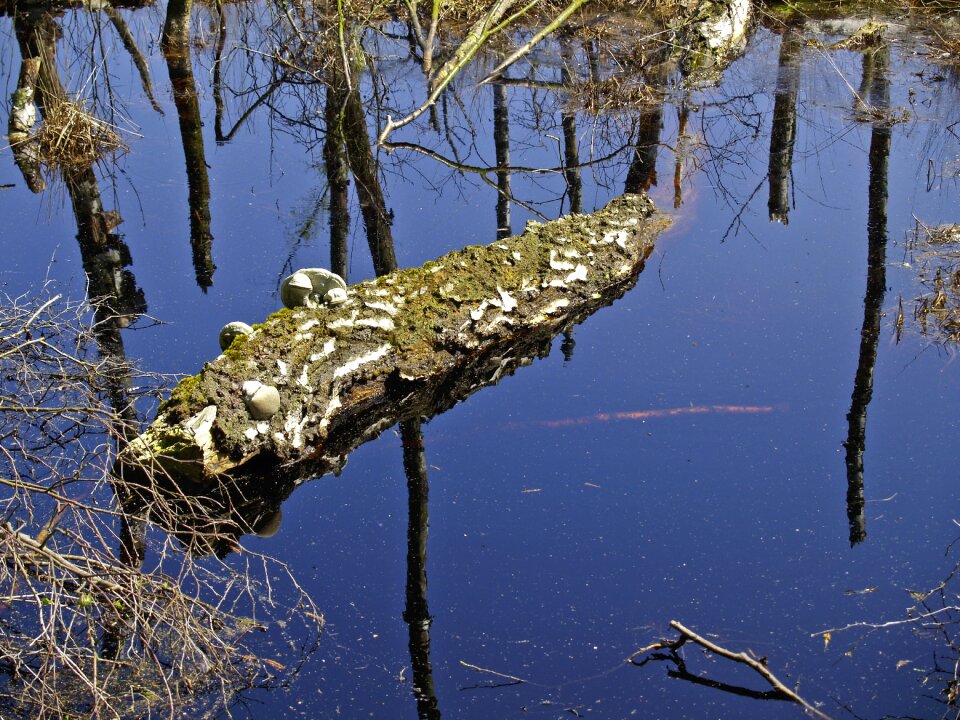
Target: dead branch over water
point(758, 665)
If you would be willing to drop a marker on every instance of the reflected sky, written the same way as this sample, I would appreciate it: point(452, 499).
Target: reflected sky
point(555, 550)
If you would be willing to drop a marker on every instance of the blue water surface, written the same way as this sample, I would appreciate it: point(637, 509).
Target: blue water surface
point(563, 537)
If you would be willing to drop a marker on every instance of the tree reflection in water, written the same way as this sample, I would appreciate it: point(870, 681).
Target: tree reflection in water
point(288, 69)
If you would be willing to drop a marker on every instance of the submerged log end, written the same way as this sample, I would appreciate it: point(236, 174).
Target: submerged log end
point(395, 336)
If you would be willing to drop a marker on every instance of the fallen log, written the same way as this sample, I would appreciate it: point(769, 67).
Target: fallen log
point(410, 343)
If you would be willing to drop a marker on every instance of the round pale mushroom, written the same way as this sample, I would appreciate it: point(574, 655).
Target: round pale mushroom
point(295, 290)
point(323, 281)
point(262, 401)
point(335, 296)
point(232, 330)
point(267, 525)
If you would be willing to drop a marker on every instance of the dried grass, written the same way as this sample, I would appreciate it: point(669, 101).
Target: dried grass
point(613, 95)
point(87, 629)
point(937, 311)
point(70, 136)
point(886, 117)
point(949, 48)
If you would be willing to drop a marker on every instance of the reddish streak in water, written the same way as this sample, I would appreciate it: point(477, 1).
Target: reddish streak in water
point(661, 413)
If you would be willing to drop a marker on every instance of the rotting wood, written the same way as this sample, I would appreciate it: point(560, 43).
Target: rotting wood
point(348, 372)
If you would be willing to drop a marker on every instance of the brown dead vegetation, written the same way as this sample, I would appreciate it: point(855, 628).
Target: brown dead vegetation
point(70, 136)
point(613, 95)
point(937, 310)
point(99, 618)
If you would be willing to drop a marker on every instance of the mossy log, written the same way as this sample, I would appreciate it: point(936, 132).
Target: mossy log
point(399, 345)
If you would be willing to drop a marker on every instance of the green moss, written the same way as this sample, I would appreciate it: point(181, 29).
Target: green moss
point(186, 395)
point(21, 97)
point(436, 298)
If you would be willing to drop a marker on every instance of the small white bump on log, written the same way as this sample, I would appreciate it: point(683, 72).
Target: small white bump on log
point(262, 401)
point(231, 331)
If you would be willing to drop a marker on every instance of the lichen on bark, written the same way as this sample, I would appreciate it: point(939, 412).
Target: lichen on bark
point(401, 334)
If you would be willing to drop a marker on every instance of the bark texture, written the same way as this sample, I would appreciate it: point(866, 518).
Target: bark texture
point(408, 344)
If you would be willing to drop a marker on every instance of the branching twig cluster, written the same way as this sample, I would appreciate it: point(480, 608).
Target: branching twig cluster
point(95, 621)
point(779, 691)
point(935, 613)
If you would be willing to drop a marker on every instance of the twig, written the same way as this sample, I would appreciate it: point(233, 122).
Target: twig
point(492, 672)
point(481, 31)
point(889, 623)
point(757, 665)
point(529, 45)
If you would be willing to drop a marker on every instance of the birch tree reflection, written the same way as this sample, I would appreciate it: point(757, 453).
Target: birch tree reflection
point(876, 89)
point(176, 49)
point(783, 131)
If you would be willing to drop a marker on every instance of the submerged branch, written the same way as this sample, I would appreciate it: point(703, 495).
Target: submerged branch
point(515, 680)
point(757, 665)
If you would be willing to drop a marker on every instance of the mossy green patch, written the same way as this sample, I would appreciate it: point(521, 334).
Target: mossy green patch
point(418, 324)
point(186, 395)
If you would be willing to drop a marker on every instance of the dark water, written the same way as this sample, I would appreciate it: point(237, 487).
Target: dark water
point(563, 536)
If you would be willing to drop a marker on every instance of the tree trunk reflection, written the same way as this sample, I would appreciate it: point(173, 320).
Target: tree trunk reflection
point(176, 49)
point(571, 148)
point(338, 182)
point(877, 87)
point(783, 132)
point(501, 141)
point(349, 126)
point(416, 612)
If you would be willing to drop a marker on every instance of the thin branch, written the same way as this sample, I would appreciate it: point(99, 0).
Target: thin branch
point(481, 31)
point(758, 666)
point(479, 669)
point(529, 45)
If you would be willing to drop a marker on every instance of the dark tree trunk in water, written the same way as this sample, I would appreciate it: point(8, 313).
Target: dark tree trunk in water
point(176, 50)
point(348, 115)
point(416, 613)
point(501, 142)
point(642, 174)
point(783, 131)
point(111, 288)
point(877, 87)
point(679, 156)
point(571, 148)
point(37, 85)
point(338, 182)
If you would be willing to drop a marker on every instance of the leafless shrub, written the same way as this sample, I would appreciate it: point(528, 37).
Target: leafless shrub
point(94, 620)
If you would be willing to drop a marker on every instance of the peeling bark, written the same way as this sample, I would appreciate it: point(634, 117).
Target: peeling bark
point(402, 345)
